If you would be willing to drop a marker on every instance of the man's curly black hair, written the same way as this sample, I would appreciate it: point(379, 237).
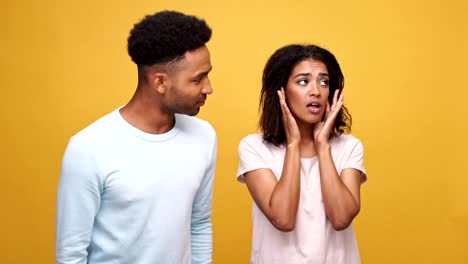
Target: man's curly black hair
point(166, 36)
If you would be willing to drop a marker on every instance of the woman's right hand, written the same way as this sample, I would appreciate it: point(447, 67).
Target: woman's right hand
point(293, 136)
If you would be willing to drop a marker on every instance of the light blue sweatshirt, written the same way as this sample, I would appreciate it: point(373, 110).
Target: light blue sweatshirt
point(126, 196)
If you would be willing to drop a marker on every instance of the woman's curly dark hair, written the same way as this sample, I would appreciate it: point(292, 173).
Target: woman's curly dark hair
point(166, 36)
point(276, 74)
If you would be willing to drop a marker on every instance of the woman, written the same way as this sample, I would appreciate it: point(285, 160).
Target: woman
point(303, 172)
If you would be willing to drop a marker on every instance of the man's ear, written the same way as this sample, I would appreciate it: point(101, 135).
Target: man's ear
point(160, 82)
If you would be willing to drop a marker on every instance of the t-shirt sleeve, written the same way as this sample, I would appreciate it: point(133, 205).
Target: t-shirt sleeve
point(201, 227)
point(356, 160)
point(249, 157)
point(78, 201)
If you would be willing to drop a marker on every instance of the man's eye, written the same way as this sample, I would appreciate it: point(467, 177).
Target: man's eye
point(199, 79)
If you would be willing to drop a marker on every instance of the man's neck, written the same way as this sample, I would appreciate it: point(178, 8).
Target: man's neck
point(144, 113)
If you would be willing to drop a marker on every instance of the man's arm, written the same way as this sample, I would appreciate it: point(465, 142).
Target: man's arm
point(78, 200)
point(202, 245)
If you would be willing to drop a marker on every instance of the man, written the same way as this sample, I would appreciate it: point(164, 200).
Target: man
point(136, 185)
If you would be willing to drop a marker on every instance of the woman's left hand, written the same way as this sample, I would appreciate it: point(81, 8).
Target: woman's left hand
point(323, 129)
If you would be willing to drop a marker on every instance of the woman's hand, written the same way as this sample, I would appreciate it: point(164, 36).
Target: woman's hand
point(323, 129)
point(293, 136)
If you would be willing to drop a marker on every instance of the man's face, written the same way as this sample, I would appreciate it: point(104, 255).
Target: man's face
point(189, 83)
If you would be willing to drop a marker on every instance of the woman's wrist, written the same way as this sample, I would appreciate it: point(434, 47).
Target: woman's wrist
point(292, 146)
point(323, 149)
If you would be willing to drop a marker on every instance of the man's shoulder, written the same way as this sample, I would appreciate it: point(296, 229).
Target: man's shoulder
point(97, 131)
point(194, 124)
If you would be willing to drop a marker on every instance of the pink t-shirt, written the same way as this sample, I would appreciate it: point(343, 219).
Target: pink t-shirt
point(313, 241)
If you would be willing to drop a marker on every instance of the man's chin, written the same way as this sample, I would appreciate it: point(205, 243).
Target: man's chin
point(192, 112)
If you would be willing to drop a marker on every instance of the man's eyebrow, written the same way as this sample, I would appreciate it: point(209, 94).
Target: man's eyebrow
point(206, 72)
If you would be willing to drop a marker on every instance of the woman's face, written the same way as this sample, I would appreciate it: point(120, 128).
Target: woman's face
point(307, 91)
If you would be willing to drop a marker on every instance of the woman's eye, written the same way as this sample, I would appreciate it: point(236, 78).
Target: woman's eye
point(303, 82)
point(324, 83)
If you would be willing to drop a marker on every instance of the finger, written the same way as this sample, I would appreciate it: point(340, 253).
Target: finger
point(283, 94)
point(279, 96)
point(282, 105)
point(339, 103)
point(287, 116)
point(285, 105)
point(327, 111)
point(335, 97)
point(336, 109)
point(341, 98)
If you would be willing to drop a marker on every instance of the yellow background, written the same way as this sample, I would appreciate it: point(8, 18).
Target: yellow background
point(63, 64)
